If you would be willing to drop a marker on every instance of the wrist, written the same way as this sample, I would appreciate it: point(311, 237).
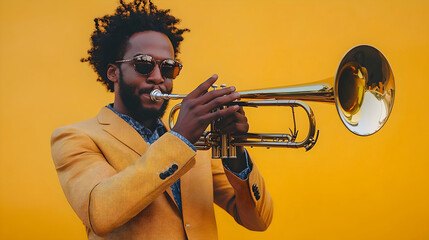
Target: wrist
point(183, 134)
point(237, 164)
point(183, 139)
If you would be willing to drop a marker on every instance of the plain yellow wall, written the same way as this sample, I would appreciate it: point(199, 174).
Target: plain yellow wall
point(347, 187)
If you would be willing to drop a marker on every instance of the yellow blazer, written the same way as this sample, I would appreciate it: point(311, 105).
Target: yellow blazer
point(119, 186)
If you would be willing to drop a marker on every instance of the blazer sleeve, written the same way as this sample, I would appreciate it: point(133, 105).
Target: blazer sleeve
point(248, 201)
point(103, 198)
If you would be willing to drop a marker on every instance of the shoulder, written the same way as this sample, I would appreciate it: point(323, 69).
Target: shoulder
point(77, 135)
point(77, 131)
point(80, 128)
point(88, 126)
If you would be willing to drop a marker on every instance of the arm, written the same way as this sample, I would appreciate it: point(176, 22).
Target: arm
point(239, 198)
point(103, 198)
point(243, 197)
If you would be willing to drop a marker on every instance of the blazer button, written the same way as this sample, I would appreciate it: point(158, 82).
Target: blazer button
point(171, 170)
point(174, 167)
point(255, 190)
point(162, 176)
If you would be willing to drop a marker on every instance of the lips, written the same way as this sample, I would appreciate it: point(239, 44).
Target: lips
point(145, 95)
point(145, 91)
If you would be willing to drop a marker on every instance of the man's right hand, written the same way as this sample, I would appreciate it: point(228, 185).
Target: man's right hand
point(196, 109)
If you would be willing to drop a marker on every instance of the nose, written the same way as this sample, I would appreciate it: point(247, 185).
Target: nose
point(155, 77)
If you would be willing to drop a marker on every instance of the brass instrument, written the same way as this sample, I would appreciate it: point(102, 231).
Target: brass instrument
point(363, 91)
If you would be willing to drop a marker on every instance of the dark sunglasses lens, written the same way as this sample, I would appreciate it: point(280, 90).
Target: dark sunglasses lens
point(169, 70)
point(144, 67)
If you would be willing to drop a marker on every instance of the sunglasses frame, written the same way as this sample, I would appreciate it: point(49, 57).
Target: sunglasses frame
point(149, 58)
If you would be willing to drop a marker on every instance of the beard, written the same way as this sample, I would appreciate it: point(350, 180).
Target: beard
point(134, 104)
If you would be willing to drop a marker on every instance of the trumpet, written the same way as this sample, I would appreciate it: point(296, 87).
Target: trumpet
point(363, 91)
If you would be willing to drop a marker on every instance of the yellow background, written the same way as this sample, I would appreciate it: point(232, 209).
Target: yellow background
point(347, 187)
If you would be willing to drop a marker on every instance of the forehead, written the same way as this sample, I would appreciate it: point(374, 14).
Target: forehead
point(152, 43)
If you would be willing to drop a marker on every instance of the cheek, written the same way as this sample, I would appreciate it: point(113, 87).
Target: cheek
point(128, 73)
point(169, 85)
point(131, 78)
point(128, 85)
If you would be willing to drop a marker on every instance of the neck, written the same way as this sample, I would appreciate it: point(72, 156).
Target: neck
point(149, 123)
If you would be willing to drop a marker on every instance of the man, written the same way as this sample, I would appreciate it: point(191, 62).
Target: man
point(124, 174)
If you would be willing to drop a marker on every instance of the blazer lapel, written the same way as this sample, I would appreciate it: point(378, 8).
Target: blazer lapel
point(170, 194)
point(121, 130)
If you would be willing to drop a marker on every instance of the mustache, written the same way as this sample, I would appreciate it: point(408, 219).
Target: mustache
point(143, 91)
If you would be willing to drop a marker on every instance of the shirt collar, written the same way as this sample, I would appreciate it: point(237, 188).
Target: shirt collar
point(145, 132)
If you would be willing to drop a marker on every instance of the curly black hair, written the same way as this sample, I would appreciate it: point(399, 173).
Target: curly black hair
point(112, 33)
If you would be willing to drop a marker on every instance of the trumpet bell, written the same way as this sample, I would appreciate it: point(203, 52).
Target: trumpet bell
point(364, 90)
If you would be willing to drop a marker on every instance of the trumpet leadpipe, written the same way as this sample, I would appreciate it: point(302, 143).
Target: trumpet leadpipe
point(157, 95)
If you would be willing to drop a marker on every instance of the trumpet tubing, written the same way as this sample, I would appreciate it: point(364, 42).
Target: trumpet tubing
point(363, 91)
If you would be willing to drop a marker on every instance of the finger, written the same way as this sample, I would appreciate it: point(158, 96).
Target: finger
point(226, 121)
point(215, 94)
point(212, 116)
point(241, 110)
point(203, 87)
point(222, 100)
point(233, 123)
point(235, 128)
point(234, 118)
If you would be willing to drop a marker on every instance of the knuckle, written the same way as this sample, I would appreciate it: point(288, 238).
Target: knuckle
point(212, 94)
point(219, 114)
point(232, 96)
point(217, 101)
point(234, 113)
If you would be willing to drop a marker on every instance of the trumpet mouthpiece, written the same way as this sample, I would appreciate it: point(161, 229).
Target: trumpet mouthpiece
point(156, 95)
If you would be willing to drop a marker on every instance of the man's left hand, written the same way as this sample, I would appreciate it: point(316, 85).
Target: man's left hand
point(234, 123)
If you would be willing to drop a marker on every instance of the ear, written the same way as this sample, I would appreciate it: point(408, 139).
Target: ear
point(113, 72)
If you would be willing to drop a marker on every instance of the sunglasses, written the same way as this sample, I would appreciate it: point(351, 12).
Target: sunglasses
point(145, 64)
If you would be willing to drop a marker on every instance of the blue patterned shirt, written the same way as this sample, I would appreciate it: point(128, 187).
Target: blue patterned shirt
point(151, 136)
